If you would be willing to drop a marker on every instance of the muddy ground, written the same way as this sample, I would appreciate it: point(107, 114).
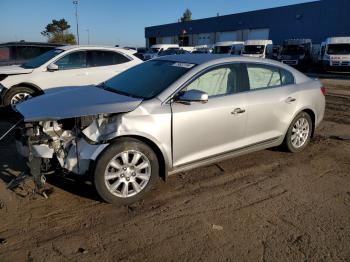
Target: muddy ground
point(266, 206)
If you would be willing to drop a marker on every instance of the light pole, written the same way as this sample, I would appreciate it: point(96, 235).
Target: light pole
point(75, 2)
point(88, 32)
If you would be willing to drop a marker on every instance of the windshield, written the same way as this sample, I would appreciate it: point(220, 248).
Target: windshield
point(42, 59)
point(222, 50)
point(147, 79)
point(338, 49)
point(293, 50)
point(254, 49)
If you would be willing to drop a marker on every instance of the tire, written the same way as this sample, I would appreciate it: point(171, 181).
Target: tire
point(121, 175)
point(20, 90)
point(301, 133)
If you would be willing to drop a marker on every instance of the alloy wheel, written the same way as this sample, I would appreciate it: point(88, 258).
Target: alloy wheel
point(300, 132)
point(18, 98)
point(127, 174)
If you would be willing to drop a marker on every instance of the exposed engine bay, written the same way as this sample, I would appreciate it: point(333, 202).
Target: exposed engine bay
point(72, 143)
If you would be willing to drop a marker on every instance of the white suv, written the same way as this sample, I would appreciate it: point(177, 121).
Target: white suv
point(62, 67)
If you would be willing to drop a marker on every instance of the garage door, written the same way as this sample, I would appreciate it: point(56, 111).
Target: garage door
point(203, 39)
point(259, 34)
point(167, 40)
point(228, 36)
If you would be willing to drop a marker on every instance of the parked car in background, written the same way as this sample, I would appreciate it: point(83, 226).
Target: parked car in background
point(172, 51)
point(335, 54)
point(141, 51)
point(169, 115)
point(16, 53)
point(60, 67)
point(228, 47)
point(297, 53)
point(155, 49)
point(276, 51)
point(258, 48)
point(202, 49)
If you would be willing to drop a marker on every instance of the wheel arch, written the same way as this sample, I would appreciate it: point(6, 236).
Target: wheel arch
point(162, 157)
point(309, 111)
point(29, 85)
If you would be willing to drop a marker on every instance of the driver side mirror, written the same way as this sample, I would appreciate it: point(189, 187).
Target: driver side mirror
point(193, 96)
point(52, 67)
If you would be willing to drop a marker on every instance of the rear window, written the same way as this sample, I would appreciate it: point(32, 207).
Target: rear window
point(4, 54)
point(106, 58)
point(265, 76)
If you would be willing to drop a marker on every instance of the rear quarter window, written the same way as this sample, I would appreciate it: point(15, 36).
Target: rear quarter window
point(287, 77)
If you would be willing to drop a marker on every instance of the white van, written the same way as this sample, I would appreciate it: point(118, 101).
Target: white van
point(335, 53)
point(258, 48)
point(228, 47)
point(156, 49)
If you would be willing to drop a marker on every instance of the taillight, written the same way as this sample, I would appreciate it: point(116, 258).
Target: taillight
point(324, 90)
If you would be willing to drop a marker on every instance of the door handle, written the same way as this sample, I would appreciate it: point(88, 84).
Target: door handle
point(238, 111)
point(290, 100)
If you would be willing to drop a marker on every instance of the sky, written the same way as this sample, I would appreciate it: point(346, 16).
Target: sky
point(112, 22)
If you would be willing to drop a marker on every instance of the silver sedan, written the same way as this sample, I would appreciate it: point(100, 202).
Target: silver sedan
point(169, 115)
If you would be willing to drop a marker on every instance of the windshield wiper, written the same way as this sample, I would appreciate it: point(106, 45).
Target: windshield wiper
point(110, 89)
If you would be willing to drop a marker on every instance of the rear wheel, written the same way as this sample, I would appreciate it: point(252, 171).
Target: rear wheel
point(16, 95)
point(299, 133)
point(126, 171)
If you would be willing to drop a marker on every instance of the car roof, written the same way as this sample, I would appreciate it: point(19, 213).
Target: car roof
point(201, 59)
point(96, 47)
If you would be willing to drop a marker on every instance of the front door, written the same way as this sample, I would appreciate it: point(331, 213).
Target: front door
point(72, 71)
point(216, 127)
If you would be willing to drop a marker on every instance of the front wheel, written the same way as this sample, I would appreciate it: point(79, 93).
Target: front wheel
point(16, 95)
point(126, 171)
point(299, 133)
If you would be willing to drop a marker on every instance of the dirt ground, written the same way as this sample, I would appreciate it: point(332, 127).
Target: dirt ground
point(266, 206)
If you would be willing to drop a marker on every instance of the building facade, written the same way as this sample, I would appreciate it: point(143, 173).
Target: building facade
point(314, 20)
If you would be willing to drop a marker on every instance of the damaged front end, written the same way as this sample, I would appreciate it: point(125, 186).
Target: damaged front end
point(72, 144)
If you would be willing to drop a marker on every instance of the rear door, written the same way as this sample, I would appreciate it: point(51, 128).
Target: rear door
point(271, 102)
point(202, 130)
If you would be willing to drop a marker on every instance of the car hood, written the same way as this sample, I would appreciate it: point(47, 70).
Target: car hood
point(14, 70)
point(76, 102)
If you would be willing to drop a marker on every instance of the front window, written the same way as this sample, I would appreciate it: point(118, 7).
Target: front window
point(219, 81)
point(254, 49)
point(222, 49)
point(42, 59)
point(147, 79)
point(338, 49)
point(73, 60)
